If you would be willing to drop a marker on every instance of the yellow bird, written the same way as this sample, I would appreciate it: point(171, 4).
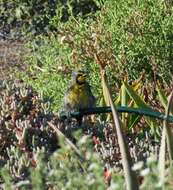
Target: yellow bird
point(79, 94)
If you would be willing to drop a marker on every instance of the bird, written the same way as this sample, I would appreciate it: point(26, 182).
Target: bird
point(79, 95)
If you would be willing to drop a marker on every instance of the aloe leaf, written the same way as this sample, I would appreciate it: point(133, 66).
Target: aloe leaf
point(163, 98)
point(130, 176)
point(136, 85)
point(105, 95)
point(140, 103)
point(129, 120)
point(124, 100)
point(136, 98)
point(166, 134)
point(102, 103)
point(133, 121)
point(117, 101)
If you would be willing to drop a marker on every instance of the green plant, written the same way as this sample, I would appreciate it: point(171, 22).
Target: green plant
point(20, 17)
point(141, 37)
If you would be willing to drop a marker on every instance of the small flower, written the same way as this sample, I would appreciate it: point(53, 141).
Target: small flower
point(96, 140)
point(33, 162)
point(107, 175)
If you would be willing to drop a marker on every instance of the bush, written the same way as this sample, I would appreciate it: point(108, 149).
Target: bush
point(130, 38)
point(20, 17)
point(141, 37)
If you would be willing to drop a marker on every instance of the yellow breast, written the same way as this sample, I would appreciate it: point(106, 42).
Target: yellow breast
point(78, 97)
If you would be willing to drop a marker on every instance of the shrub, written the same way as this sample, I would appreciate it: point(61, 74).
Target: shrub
point(141, 37)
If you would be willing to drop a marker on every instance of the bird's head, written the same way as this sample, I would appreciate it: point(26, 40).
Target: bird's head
point(80, 76)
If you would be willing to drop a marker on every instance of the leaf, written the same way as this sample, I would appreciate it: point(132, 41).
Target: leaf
point(136, 85)
point(117, 102)
point(130, 176)
point(105, 95)
point(140, 103)
point(163, 98)
point(129, 120)
point(102, 103)
point(106, 99)
point(166, 135)
point(134, 119)
point(136, 98)
point(124, 101)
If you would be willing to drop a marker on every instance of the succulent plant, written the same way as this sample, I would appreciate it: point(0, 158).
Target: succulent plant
point(23, 119)
point(24, 132)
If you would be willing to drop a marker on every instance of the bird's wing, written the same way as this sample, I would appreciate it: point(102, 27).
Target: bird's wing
point(90, 95)
point(68, 103)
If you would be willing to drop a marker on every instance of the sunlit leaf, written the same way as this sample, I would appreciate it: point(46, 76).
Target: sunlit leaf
point(163, 98)
point(140, 103)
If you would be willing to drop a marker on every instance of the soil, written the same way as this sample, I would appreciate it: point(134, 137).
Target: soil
point(10, 57)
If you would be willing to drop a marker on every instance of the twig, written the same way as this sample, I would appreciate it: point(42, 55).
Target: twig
point(59, 133)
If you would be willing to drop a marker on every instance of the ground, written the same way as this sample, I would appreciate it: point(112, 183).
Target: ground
point(10, 57)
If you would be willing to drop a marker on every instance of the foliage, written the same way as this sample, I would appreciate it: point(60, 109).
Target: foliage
point(61, 170)
point(20, 17)
point(127, 38)
point(121, 34)
point(141, 37)
point(30, 156)
point(23, 119)
point(26, 16)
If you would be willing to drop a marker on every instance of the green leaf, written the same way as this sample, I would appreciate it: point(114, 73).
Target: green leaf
point(166, 135)
point(129, 174)
point(124, 102)
point(140, 103)
point(133, 120)
point(135, 97)
point(163, 98)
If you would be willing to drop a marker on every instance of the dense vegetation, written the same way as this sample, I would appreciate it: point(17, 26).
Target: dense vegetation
point(132, 42)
